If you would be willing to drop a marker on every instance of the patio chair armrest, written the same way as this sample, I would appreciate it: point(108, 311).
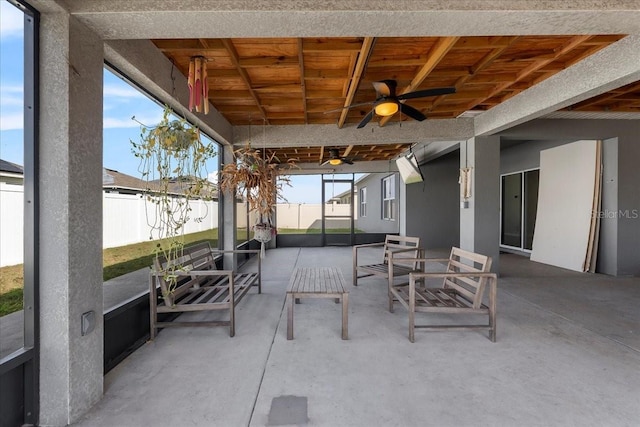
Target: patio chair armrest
point(368, 245)
point(235, 251)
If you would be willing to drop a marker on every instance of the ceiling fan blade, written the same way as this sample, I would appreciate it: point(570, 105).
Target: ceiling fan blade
point(412, 112)
point(366, 120)
point(347, 161)
point(350, 106)
point(386, 87)
point(428, 92)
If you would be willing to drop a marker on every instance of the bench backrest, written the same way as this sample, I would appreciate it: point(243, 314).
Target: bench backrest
point(194, 257)
point(472, 288)
point(394, 243)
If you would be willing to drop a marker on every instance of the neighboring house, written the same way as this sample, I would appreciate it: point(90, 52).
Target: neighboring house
point(127, 217)
point(376, 198)
point(117, 182)
point(11, 173)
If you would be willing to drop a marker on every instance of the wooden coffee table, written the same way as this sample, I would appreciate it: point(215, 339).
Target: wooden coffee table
point(317, 282)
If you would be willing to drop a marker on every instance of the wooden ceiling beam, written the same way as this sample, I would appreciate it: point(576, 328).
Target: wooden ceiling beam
point(277, 88)
point(217, 94)
point(347, 151)
point(235, 59)
point(330, 45)
point(265, 62)
point(338, 74)
point(437, 52)
point(303, 85)
point(475, 43)
point(532, 68)
point(361, 65)
point(222, 73)
point(398, 62)
point(502, 43)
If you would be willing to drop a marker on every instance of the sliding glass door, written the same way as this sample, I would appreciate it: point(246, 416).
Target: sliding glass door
point(519, 203)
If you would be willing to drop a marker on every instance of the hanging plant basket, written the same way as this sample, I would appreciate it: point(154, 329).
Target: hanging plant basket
point(257, 177)
point(263, 233)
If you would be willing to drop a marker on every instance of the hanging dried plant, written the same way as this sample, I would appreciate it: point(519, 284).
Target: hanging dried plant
point(257, 177)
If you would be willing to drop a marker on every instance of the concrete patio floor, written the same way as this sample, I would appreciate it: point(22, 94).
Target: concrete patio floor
point(567, 354)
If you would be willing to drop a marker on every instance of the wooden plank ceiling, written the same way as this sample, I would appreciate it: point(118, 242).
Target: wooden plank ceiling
point(289, 81)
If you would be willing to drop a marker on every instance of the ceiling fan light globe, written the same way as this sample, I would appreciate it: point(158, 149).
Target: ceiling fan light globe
point(335, 162)
point(388, 108)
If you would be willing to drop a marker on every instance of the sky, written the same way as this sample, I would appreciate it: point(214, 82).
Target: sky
point(121, 103)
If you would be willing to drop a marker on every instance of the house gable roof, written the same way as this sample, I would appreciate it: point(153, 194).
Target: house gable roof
point(9, 167)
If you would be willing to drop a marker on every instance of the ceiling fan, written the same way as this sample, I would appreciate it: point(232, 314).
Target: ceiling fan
point(387, 103)
point(335, 159)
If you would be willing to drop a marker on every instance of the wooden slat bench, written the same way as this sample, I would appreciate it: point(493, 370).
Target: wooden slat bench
point(464, 282)
point(323, 282)
point(200, 287)
point(399, 246)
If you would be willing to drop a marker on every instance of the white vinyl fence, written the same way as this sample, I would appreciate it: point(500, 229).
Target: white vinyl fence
point(126, 218)
point(301, 216)
point(11, 220)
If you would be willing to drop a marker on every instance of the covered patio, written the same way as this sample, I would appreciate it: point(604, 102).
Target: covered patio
point(522, 77)
point(564, 356)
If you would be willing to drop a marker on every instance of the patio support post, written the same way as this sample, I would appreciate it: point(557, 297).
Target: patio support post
point(229, 218)
point(70, 245)
point(480, 221)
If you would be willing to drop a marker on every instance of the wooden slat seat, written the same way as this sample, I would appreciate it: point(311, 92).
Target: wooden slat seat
point(398, 247)
point(199, 286)
point(464, 281)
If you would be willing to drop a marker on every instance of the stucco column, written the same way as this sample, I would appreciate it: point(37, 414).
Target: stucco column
point(71, 363)
point(229, 220)
point(628, 199)
point(480, 221)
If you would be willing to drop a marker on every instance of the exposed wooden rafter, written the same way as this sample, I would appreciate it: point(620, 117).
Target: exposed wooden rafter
point(303, 86)
point(228, 45)
point(361, 64)
point(436, 54)
point(533, 67)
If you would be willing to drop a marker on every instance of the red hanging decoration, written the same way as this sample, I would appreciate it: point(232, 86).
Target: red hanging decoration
point(198, 85)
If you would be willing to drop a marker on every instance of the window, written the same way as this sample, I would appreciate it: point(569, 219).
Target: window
point(19, 193)
point(389, 197)
point(363, 201)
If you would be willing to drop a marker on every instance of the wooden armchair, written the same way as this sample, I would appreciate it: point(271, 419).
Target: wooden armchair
point(464, 282)
point(398, 247)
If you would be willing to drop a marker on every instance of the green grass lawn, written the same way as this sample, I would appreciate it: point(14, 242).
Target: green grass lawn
point(115, 261)
point(123, 260)
point(10, 301)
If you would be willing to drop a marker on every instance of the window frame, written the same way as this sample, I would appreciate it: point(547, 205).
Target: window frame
point(388, 198)
point(27, 357)
point(363, 202)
